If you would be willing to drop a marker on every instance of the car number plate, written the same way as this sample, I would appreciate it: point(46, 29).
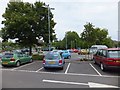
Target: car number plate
point(5, 62)
point(52, 62)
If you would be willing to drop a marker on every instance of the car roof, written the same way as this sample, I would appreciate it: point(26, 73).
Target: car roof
point(111, 49)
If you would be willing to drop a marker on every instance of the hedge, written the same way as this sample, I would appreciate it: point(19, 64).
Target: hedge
point(37, 57)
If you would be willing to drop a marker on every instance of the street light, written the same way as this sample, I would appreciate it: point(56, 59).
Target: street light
point(47, 6)
point(66, 40)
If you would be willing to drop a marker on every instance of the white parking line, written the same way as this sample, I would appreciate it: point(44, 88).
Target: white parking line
point(67, 68)
point(22, 66)
point(39, 69)
point(95, 69)
point(54, 73)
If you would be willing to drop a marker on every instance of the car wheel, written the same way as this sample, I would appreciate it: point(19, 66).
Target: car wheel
point(102, 67)
point(69, 57)
point(31, 60)
point(61, 68)
point(18, 63)
point(94, 61)
point(3, 65)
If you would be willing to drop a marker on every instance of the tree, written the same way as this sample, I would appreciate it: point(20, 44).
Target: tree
point(27, 22)
point(92, 35)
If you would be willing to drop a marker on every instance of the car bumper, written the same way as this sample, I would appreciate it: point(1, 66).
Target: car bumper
point(8, 63)
point(53, 66)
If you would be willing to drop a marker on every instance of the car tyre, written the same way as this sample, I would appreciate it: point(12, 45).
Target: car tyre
point(102, 67)
point(94, 61)
point(31, 60)
point(17, 63)
point(69, 57)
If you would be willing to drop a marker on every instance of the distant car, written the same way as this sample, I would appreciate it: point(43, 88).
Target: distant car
point(53, 60)
point(1, 56)
point(15, 59)
point(83, 52)
point(107, 58)
point(66, 54)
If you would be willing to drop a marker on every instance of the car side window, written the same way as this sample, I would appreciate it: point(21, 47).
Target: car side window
point(100, 53)
point(104, 53)
point(20, 55)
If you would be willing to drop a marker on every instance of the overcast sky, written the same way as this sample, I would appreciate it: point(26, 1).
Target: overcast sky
point(72, 15)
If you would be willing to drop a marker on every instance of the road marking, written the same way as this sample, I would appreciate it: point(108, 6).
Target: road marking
point(22, 66)
point(54, 73)
point(90, 84)
point(64, 82)
point(95, 69)
point(67, 68)
point(98, 85)
point(39, 69)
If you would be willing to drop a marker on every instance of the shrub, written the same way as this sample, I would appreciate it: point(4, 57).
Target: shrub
point(37, 57)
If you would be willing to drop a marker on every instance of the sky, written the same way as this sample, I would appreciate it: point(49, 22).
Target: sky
point(72, 15)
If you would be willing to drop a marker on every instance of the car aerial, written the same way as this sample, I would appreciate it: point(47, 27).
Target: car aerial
point(15, 59)
point(53, 60)
point(107, 58)
point(66, 54)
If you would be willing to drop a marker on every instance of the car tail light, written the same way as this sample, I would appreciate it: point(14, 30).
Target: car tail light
point(12, 59)
point(60, 61)
point(110, 60)
point(43, 61)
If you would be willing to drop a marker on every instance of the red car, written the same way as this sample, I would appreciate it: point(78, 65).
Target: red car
point(107, 58)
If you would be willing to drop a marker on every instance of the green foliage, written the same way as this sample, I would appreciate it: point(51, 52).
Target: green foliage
point(92, 35)
point(37, 57)
point(27, 22)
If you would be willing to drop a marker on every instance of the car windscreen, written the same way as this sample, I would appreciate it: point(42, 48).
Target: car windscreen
point(114, 53)
point(52, 56)
point(8, 55)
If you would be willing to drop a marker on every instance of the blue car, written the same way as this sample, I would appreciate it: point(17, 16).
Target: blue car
point(53, 60)
point(66, 54)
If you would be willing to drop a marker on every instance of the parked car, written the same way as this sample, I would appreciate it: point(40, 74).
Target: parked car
point(15, 59)
point(93, 49)
point(107, 58)
point(1, 56)
point(53, 60)
point(66, 54)
point(83, 52)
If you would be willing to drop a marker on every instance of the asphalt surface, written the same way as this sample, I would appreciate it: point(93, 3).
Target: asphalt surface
point(76, 74)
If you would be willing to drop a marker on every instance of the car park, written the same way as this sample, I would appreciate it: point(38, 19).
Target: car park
point(107, 58)
point(15, 59)
point(53, 60)
point(66, 54)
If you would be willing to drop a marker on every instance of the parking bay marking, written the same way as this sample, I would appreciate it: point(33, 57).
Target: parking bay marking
point(90, 84)
point(39, 69)
point(67, 68)
point(23, 66)
point(95, 69)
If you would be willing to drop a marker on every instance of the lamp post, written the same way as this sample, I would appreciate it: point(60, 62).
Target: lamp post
point(47, 6)
point(66, 40)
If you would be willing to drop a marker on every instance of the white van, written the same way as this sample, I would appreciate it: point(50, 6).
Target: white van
point(94, 48)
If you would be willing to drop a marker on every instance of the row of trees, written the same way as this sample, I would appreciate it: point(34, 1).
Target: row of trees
point(91, 35)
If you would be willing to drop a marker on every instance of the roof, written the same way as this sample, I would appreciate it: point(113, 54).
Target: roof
point(112, 49)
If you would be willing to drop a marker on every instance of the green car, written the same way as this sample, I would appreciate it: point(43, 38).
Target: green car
point(15, 59)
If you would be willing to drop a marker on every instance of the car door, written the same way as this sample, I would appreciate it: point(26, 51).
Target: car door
point(103, 56)
point(97, 56)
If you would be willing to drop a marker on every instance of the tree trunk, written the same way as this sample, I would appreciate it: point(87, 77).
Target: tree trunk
point(30, 52)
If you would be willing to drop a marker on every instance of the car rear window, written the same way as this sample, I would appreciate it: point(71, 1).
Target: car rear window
point(8, 55)
point(114, 53)
point(52, 56)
